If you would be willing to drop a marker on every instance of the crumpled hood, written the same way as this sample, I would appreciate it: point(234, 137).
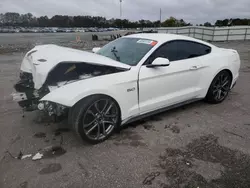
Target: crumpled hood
point(42, 59)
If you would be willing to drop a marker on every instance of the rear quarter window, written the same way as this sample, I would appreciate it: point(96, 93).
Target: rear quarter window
point(189, 49)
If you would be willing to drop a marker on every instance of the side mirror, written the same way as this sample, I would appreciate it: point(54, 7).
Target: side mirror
point(96, 49)
point(159, 62)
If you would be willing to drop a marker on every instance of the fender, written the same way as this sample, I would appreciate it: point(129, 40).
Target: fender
point(112, 85)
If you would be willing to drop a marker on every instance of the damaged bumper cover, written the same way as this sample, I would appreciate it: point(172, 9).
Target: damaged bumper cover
point(52, 109)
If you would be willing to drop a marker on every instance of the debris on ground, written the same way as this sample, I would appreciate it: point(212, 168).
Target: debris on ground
point(37, 156)
point(49, 152)
point(26, 156)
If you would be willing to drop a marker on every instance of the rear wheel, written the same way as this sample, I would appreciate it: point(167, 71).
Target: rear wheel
point(219, 88)
point(95, 118)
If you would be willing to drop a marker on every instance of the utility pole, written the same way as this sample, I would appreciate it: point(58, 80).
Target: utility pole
point(160, 17)
point(120, 9)
point(160, 14)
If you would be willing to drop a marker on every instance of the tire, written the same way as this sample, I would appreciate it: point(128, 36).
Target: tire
point(94, 114)
point(219, 88)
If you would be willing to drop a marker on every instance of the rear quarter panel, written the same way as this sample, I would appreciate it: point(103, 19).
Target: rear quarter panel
point(219, 59)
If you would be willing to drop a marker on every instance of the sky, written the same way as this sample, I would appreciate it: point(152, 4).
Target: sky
point(194, 11)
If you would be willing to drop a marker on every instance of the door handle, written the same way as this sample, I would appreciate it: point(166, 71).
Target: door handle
point(194, 68)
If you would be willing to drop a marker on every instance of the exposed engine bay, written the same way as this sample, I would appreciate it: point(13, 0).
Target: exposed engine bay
point(64, 73)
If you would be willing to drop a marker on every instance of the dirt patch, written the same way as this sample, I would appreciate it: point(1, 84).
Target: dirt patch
point(14, 140)
point(149, 179)
point(155, 118)
point(40, 135)
point(148, 126)
point(173, 127)
point(51, 168)
point(23, 185)
point(85, 171)
point(59, 131)
point(53, 151)
point(181, 172)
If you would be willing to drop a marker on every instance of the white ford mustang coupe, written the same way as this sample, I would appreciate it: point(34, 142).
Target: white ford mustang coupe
point(130, 78)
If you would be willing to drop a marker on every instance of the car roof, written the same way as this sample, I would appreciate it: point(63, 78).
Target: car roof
point(165, 37)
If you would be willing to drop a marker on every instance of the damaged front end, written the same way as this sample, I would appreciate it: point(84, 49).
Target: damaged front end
point(46, 68)
point(28, 97)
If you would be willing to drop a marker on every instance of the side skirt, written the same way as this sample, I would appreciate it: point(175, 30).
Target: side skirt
point(163, 109)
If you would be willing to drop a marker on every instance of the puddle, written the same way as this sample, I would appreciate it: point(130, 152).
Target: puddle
point(205, 151)
point(51, 168)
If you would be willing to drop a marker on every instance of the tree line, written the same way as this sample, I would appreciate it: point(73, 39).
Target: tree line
point(28, 20)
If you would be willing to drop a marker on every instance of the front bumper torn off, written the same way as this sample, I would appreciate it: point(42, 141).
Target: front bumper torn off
point(18, 96)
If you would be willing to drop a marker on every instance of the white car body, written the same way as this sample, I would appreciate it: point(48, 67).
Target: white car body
point(140, 90)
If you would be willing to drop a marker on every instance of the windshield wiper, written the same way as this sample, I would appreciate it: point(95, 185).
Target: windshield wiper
point(114, 51)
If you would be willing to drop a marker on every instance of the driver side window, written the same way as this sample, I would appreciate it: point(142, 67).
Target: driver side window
point(179, 50)
point(168, 51)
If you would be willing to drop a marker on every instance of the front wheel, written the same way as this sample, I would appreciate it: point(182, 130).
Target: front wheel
point(95, 118)
point(219, 88)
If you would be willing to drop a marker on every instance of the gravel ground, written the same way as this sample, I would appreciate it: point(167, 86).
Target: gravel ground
point(21, 42)
point(198, 145)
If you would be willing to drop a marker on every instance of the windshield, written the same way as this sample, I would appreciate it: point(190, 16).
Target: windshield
point(127, 50)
